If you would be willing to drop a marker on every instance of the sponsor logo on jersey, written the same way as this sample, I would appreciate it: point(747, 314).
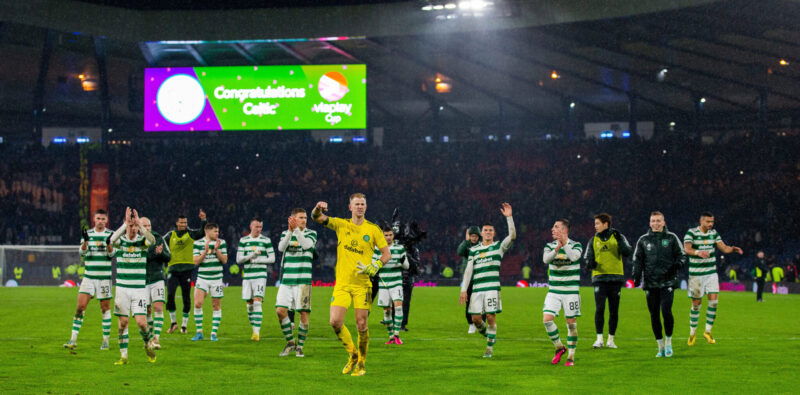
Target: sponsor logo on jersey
point(354, 249)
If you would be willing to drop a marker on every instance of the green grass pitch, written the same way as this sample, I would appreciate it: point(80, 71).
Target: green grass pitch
point(757, 345)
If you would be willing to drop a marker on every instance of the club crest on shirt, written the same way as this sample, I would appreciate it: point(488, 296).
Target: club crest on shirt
point(366, 238)
point(664, 243)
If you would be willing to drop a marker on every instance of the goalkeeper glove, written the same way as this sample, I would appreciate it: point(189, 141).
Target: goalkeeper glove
point(371, 269)
point(85, 233)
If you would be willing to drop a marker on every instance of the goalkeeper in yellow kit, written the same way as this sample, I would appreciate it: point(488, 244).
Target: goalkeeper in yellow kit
point(357, 238)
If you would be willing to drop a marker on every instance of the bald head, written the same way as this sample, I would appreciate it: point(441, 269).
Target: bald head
point(146, 223)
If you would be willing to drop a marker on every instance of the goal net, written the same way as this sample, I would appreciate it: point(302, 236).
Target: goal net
point(40, 265)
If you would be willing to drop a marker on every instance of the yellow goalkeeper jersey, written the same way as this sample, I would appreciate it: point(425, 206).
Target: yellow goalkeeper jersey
point(356, 244)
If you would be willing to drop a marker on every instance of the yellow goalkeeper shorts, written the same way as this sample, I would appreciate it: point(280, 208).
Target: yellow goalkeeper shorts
point(359, 295)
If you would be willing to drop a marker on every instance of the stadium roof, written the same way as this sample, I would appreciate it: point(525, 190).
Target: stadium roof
point(151, 5)
point(724, 57)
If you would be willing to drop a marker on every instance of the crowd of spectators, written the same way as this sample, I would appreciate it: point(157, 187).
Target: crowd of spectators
point(39, 194)
point(751, 186)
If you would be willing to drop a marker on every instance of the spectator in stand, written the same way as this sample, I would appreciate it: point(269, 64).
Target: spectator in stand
point(791, 272)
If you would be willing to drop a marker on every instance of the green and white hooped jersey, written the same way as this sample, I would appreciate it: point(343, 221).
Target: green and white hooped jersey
point(96, 258)
point(131, 261)
point(211, 267)
point(262, 244)
point(297, 261)
point(703, 242)
point(486, 266)
point(391, 274)
point(564, 276)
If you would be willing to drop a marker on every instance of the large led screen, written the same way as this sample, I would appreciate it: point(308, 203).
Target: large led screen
point(255, 98)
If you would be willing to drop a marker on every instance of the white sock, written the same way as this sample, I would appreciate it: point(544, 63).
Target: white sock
point(258, 314)
point(668, 341)
point(173, 317)
point(572, 339)
point(552, 331)
point(600, 337)
point(610, 338)
point(660, 344)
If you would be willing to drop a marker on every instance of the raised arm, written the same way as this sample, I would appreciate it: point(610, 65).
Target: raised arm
point(573, 251)
point(197, 234)
point(118, 233)
point(148, 236)
point(318, 213)
point(221, 251)
point(549, 253)
point(283, 244)
point(512, 230)
point(305, 242)
point(199, 253)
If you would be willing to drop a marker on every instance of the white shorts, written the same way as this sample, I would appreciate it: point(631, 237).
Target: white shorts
point(100, 289)
point(253, 288)
point(485, 302)
point(700, 286)
point(571, 303)
point(130, 301)
point(294, 297)
point(387, 296)
point(213, 287)
point(156, 292)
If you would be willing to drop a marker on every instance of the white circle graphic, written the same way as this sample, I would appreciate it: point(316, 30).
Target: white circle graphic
point(180, 99)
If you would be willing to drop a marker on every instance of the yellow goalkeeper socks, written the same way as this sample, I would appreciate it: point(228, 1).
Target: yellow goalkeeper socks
point(363, 343)
point(347, 341)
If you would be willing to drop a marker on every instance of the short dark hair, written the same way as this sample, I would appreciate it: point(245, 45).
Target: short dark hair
point(656, 213)
point(487, 224)
point(101, 212)
point(706, 214)
point(387, 228)
point(298, 210)
point(256, 219)
point(210, 226)
point(181, 216)
point(604, 218)
point(564, 222)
